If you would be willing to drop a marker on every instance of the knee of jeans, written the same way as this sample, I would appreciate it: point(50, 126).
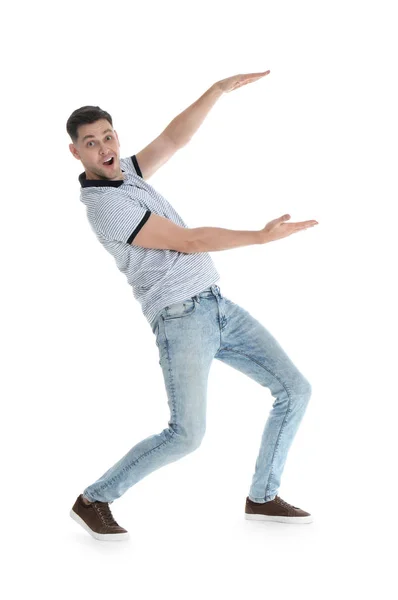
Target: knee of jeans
point(304, 388)
point(190, 441)
point(300, 386)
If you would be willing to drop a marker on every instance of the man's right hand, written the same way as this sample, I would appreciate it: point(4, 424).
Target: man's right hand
point(278, 228)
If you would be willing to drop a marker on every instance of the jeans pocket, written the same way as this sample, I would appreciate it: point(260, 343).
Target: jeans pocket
point(179, 309)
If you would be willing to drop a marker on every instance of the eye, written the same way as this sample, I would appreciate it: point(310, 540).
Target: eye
point(91, 141)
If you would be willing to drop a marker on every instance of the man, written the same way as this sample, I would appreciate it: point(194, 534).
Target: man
point(173, 277)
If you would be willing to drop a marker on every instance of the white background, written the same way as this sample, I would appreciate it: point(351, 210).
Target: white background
point(81, 383)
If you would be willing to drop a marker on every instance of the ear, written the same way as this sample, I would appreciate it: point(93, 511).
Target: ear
point(73, 150)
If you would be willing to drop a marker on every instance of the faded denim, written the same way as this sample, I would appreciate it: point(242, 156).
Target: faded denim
point(189, 335)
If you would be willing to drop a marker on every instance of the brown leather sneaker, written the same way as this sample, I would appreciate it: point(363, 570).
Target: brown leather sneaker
point(97, 519)
point(276, 510)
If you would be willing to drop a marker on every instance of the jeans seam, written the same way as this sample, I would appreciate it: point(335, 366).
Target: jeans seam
point(287, 411)
point(277, 444)
point(134, 462)
point(217, 297)
point(170, 371)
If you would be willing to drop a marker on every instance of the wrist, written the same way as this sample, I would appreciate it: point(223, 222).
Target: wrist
point(216, 88)
point(261, 237)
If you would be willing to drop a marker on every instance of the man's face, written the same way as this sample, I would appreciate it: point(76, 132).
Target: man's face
point(97, 142)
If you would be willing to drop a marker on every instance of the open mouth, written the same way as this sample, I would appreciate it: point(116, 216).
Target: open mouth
point(109, 163)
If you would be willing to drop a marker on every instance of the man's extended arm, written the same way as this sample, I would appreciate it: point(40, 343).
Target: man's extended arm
point(182, 128)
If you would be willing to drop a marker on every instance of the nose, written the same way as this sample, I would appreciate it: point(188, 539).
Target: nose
point(104, 152)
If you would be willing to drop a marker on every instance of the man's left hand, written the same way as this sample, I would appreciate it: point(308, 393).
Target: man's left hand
point(232, 83)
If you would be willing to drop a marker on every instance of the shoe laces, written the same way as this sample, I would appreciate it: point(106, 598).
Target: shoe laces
point(105, 513)
point(283, 503)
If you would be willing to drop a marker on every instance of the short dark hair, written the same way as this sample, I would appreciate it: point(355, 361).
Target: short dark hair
point(84, 115)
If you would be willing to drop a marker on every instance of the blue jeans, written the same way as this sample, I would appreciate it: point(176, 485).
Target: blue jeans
point(189, 335)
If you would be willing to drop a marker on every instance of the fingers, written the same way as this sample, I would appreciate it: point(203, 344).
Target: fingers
point(301, 226)
point(249, 77)
point(304, 225)
point(292, 227)
point(258, 74)
point(300, 223)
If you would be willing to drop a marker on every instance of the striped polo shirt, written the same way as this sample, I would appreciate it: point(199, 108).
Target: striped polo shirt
point(116, 211)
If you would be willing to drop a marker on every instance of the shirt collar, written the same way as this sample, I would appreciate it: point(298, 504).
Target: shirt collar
point(84, 182)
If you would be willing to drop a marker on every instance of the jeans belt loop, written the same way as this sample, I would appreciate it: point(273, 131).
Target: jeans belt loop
point(216, 289)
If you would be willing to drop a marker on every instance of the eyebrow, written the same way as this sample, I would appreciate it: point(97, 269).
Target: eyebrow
point(91, 136)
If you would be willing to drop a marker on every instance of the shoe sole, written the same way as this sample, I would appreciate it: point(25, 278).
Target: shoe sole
point(103, 537)
point(295, 520)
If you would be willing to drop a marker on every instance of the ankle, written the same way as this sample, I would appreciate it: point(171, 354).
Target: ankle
point(85, 501)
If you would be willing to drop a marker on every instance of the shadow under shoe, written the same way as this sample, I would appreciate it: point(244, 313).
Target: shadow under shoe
point(97, 519)
point(276, 510)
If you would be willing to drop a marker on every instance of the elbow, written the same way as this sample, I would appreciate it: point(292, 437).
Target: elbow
point(190, 244)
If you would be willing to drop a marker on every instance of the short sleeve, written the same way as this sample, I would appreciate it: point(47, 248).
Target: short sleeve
point(119, 218)
point(131, 164)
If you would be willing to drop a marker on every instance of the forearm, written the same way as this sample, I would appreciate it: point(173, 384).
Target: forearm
point(211, 239)
point(182, 128)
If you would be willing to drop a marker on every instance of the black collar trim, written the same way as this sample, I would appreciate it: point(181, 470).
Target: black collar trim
point(84, 182)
